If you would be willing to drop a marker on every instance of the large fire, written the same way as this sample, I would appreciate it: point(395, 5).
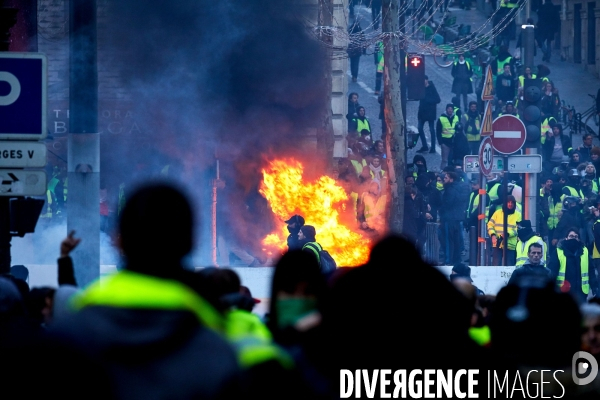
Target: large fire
point(319, 203)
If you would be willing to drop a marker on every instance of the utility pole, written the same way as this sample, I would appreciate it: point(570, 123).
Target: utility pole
point(394, 120)
point(83, 165)
point(325, 133)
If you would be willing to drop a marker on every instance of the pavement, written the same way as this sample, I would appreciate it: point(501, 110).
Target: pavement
point(572, 81)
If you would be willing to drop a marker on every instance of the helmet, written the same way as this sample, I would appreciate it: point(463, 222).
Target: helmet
point(573, 172)
point(569, 201)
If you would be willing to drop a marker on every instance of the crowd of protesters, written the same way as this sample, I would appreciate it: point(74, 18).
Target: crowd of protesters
point(157, 329)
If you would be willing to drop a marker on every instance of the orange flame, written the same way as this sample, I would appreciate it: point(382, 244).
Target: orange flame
point(318, 202)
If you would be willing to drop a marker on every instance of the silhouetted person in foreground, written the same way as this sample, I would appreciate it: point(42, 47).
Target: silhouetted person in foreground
point(152, 333)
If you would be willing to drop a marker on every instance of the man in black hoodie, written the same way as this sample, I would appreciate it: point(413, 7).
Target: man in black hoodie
point(428, 113)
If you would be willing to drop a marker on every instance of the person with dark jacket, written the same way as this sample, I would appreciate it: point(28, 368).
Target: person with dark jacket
point(533, 266)
point(452, 214)
point(415, 217)
point(169, 325)
point(428, 113)
point(461, 145)
point(462, 71)
point(294, 224)
point(571, 267)
point(356, 48)
point(353, 106)
point(571, 219)
point(426, 184)
point(506, 86)
point(548, 26)
point(555, 148)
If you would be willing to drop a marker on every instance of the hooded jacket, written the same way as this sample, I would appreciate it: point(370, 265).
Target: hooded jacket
point(156, 336)
point(548, 146)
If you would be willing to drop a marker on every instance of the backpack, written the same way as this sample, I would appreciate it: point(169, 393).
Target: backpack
point(326, 262)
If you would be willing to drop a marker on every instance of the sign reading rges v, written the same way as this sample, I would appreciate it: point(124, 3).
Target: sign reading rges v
point(23, 91)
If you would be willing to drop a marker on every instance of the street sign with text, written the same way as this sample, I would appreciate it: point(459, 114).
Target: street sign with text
point(517, 164)
point(21, 182)
point(22, 154)
point(23, 81)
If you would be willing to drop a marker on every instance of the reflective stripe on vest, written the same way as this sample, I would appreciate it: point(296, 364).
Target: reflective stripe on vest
point(360, 125)
point(448, 127)
point(506, 4)
point(523, 250)
point(372, 207)
point(316, 247)
point(480, 335)
point(358, 167)
point(253, 340)
point(473, 204)
point(495, 226)
point(501, 64)
point(572, 191)
point(546, 127)
point(126, 289)
point(522, 79)
point(595, 252)
point(554, 209)
point(560, 279)
point(473, 137)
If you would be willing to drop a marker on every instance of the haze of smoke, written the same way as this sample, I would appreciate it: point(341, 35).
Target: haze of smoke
point(240, 78)
point(43, 246)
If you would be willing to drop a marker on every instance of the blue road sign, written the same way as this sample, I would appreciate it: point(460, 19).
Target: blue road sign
point(23, 86)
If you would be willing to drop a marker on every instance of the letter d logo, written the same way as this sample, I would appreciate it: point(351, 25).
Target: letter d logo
point(15, 88)
point(582, 368)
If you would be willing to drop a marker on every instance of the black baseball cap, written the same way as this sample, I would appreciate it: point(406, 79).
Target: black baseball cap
point(297, 219)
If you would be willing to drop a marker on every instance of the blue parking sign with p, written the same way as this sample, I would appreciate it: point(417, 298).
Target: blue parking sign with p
point(23, 96)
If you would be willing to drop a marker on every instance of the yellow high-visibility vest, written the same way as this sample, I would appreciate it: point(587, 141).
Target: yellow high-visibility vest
point(448, 127)
point(471, 137)
point(523, 250)
point(496, 227)
point(585, 279)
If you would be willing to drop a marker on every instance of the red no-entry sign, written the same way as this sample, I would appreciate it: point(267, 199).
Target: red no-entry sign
point(508, 134)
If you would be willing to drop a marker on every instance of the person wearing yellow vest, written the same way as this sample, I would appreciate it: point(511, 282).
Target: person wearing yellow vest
point(549, 207)
point(527, 237)
point(547, 127)
point(527, 74)
point(572, 186)
point(533, 265)
point(445, 129)
point(571, 267)
point(503, 58)
point(590, 173)
point(471, 122)
point(473, 206)
point(462, 71)
point(571, 217)
point(379, 64)
point(555, 148)
point(361, 122)
point(509, 109)
point(170, 326)
point(596, 246)
point(371, 209)
point(500, 239)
